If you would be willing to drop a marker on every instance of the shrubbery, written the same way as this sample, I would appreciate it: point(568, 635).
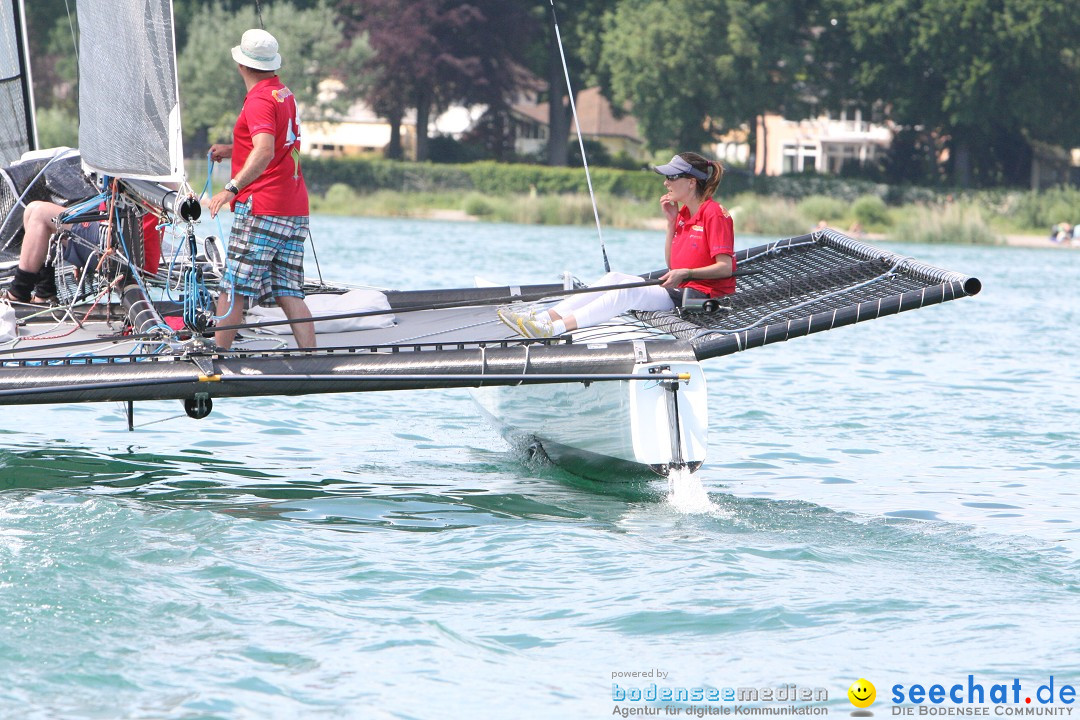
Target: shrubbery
point(823, 207)
point(870, 211)
point(365, 175)
point(1046, 208)
point(954, 224)
point(799, 201)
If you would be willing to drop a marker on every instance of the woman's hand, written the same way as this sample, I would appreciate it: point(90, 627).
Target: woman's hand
point(670, 208)
point(674, 278)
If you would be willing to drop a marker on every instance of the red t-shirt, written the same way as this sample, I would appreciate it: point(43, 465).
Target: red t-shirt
point(151, 243)
point(697, 242)
point(270, 107)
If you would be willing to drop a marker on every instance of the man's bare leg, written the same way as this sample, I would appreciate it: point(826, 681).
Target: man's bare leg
point(38, 227)
point(224, 338)
point(296, 309)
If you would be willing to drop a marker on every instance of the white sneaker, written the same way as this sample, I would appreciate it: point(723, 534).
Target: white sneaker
point(535, 327)
point(510, 317)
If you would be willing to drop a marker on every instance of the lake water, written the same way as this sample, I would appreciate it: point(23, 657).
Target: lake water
point(895, 501)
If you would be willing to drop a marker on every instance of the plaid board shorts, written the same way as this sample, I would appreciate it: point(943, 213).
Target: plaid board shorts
point(266, 255)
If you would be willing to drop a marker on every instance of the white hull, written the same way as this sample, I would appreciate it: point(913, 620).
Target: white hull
point(609, 430)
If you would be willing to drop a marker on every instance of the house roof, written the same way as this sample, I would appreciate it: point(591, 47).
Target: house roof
point(594, 113)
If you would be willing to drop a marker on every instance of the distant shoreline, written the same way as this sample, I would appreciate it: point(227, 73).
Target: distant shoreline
point(1026, 241)
point(1038, 241)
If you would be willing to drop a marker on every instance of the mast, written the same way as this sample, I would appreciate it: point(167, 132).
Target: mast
point(22, 47)
point(18, 130)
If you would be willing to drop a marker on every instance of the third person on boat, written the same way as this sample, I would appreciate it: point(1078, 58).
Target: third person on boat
point(699, 249)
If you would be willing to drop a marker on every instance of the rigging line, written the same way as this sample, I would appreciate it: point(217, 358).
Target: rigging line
point(161, 420)
point(442, 306)
point(581, 141)
point(74, 42)
point(318, 266)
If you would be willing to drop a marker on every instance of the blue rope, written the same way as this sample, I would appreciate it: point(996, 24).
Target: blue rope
point(76, 210)
point(209, 175)
point(221, 233)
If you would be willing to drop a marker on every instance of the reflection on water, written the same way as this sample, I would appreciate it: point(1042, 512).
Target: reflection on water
point(203, 480)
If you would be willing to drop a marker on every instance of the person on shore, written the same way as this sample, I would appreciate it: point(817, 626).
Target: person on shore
point(1061, 233)
point(268, 195)
point(699, 249)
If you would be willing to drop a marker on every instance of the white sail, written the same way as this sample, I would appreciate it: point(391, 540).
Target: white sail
point(17, 131)
point(129, 107)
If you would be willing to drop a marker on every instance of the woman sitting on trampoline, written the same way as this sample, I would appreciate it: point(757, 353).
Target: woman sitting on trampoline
point(699, 249)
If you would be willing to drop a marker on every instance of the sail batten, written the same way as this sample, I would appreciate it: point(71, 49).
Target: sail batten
point(129, 107)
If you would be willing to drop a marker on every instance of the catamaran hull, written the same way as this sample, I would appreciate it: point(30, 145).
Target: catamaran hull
point(620, 430)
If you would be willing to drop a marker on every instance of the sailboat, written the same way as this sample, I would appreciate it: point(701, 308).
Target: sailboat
point(614, 401)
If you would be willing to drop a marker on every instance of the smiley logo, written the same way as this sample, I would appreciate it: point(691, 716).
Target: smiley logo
point(862, 693)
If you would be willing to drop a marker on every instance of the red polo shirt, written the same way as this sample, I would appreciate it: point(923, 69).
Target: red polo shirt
point(151, 243)
point(697, 242)
point(270, 107)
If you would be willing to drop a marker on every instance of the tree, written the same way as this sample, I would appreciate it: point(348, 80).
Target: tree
point(986, 75)
point(51, 30)
point(430, 53)
point(486, 59)
point(578, 24)
point(691, 69)
point(313, 48)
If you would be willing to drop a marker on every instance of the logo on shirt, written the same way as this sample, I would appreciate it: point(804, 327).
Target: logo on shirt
point(281, 94)
point(698, 228)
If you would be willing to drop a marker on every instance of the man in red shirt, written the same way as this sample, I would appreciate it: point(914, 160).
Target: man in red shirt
point(267, 194)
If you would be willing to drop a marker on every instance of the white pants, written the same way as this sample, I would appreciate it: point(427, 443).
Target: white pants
point(594, 308)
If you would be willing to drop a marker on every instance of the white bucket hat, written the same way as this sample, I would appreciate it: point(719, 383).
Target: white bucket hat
point(257, 49)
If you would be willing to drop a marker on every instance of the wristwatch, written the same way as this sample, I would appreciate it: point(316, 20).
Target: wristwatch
point(231, 187)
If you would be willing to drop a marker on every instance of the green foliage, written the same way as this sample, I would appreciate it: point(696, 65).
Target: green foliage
point(445, 149)
point(339, 196)
point(478, 205)
point(652, 62)
point(954, 223)
point(368, 175)
point(766, 216)
point(57, 128)
point(693, 68)
point(312, 47)
point(1044, 209)
point(963, 69)
point(796, 187)
point(962, 218)
point(822, 207)
point(870, 211)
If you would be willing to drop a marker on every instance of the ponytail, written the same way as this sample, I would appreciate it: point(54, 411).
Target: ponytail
point(712, 168)
point(715, 177)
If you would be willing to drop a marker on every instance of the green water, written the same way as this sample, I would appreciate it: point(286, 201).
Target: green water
point(894, 501)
